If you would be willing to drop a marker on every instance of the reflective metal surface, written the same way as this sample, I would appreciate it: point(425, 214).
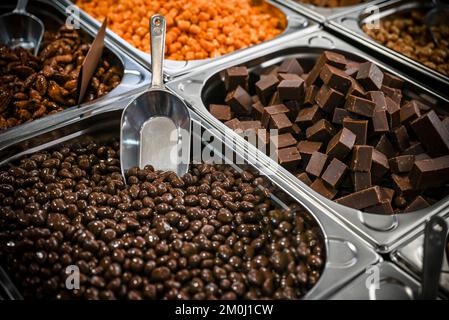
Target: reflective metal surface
point(201, 88)
point(347, 255)
point(173, 68)
point(350, 25)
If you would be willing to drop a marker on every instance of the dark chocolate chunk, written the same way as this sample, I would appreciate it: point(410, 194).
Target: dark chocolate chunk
point(356, 89)
point(275, 100)
point(379, 165)
point(410, 111)
point(393, 113)
point(382, 208)
point(362, 199)
point(370, 76)
point(265, 88)
point(334, 173)
point(358, 127)
point(271, 111)
point(289, 158)
point(400, 138)
point(378, 97)
point(361, 180)
point(392, 93)
point(258, 110)
point(387, 194)
point(306, 148)
point(401, 164)
point(310, 95)
point(234, 124)
point(385, 146)
point(417, 204)
point(414, 149)
point(316, 164)
point(284, 140)
point(362, 158)
point(402, 184)
point(296, 131)
point(328, 99)
point(392, 81)
point(429, 173)
point(280, 122)
point(321, 131)
point(304, 178)
point(341, 144)
point(335, 78)
point(361, 106)
point(308, 116)
point(289, 76)
point(290, 65)
point(380, 122)
point(240, 101)
point(324, 189)
point(332, 58)
point(432, 133)
point(339, 115)
point(352, 68)
point(236, 76)
point(250, 125)
point(291, 90)
point(221, 112)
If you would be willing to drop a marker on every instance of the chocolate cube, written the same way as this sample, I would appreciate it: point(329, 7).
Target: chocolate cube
point(370, 76)
point(341, 144)
point(240, 101)
point(316, 164)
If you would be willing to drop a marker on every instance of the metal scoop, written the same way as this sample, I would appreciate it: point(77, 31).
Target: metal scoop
point(155, 127)
point(21, 29)
point(438, 15)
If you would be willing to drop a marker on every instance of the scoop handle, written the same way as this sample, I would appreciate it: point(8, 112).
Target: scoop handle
point(21, 6)
point(157, 32)
point(434, 243)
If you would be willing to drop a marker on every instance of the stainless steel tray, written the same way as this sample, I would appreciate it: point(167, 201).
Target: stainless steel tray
point(347, 255)
point(382, 231)
point(409, 256)
point(175, 68)
point(350, 25)
point(393, 284)
point(321, 14)
point(134, 75)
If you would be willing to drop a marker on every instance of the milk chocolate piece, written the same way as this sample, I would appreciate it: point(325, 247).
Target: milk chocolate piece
point(258, 110)
point(291, 65)
point(328, 99)
point(380, 122)
point(432, 133)
point(361, 180)
point(221, 112)
point(289, 158)
point(316, 164)
point(358, 127)
point(417, 204)
point(265, 88)
point(334, 173)
point(308, 116)
point(370, 76)
point(291, 90)
point(234, 124)
point(339, 115)
point(306, 148)
point(379, 165)
point(382, 208)
point(429, 173)
point(414, 149)
point(335, 78)
point(236, 76)
point(402, 184)
point(393, 113)
point(271, 111)
point(240, 101)
point(280, 122)
point(400, 138)
point(322, 131)
point(341, 144)
point(284, 140)
point(392, 93)
point(362, 158)
point(360, 106)
point(310, 95)
point(332, 58)
point(304, 178)
point(362, 199)
point(378, 97)
point(401, 164)
point(392, 81)
point(356, 89)
point(409, 112)
point(384, 146)
point(324, 189)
